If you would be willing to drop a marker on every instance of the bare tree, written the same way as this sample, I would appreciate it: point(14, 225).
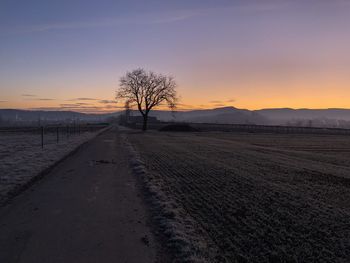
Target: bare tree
point(147, 90)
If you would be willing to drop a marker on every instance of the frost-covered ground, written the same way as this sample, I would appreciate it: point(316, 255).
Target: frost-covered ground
point(22, 158)
point(228, 197)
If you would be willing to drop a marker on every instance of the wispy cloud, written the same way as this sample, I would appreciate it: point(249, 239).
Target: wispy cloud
point(32, 97)
point(221, 101)
point(139, 19)
point(107, 101)
point(44, 99)
point(28, 95)
point(81, 108)
point(164, 17)
point(83, 104)
point(80, 104)
point(2, 101)
point(219, 105)
point(69, 105)
point(81, 99)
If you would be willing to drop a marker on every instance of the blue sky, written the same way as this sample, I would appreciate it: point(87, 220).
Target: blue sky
point(250, 54)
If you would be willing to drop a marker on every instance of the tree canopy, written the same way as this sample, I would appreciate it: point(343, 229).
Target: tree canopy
point(146, 90)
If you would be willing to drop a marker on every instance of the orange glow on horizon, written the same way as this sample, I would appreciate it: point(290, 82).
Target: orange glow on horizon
point(253, 93)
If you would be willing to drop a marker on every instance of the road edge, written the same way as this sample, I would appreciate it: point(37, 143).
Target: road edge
point(167, 226)
point(21, 188)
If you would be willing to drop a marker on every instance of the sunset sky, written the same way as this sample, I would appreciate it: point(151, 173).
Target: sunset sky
point(65, 54)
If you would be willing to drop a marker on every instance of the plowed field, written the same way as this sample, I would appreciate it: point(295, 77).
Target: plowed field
point(255, 197)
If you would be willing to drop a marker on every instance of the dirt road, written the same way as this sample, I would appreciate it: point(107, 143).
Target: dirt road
point(87, 209)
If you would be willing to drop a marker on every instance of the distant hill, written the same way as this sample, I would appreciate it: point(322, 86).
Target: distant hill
point(229, 115)
point(278, 116)
point(14, 115)
point(283, 114)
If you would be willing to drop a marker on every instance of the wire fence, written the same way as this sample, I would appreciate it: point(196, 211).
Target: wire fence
point(250, 128)
point(47, 135)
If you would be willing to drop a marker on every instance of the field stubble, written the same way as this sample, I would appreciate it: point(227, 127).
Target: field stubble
point(254, 197)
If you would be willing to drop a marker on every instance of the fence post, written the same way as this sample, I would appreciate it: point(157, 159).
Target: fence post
point(57, 134)
point(67, 131)
point(42, 137)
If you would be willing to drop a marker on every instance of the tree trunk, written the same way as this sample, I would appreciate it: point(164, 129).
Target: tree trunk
point(145, 119)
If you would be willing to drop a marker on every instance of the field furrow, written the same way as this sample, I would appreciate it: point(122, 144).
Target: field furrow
point(256, 203)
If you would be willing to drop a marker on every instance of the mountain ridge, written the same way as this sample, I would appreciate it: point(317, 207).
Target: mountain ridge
point(229, 115)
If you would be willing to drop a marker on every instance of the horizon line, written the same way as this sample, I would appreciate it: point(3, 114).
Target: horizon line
point(176, 110)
